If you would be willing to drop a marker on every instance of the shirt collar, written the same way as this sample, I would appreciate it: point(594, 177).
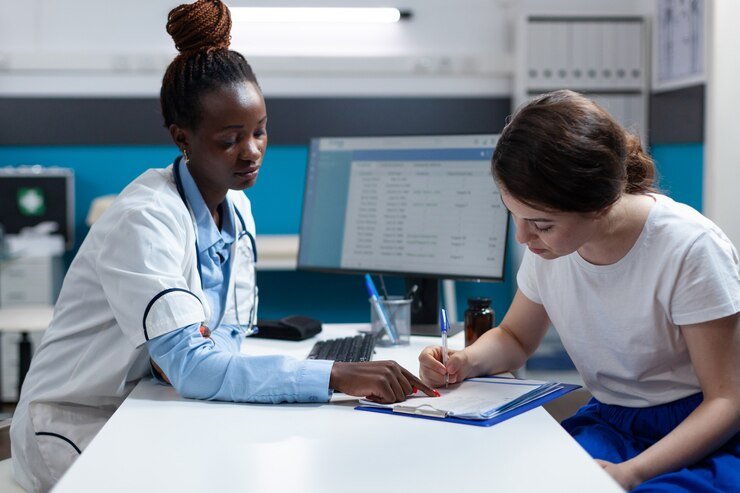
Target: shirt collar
point(208, 233)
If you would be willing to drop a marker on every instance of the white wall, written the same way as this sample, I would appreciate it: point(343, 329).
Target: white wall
point(96, 48)
point(721, 150)
point(93, 47)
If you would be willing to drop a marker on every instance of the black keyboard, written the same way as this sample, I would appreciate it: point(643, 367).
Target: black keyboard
point(357, 348)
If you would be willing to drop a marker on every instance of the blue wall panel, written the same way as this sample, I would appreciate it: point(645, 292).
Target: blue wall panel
point(98, 170)
point(680, 170)
point(276, 201)
point(107, 170)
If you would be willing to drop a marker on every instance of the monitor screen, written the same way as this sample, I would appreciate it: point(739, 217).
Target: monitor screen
point(418, 206)
point(30, 195)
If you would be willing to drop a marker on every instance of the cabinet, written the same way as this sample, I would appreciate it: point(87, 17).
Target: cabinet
point(603, 57)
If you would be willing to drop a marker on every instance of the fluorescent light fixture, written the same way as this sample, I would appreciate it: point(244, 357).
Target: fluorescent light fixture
point(315, 15)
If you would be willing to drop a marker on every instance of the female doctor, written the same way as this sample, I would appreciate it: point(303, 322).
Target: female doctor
point(164, 282)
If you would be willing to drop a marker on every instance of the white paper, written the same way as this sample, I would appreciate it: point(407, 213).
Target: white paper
point(478, 398)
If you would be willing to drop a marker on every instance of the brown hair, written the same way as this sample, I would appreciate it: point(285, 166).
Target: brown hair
point(202, 34)
point(561, 151)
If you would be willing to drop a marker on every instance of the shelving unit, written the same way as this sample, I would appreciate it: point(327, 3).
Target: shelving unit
point(604, 57)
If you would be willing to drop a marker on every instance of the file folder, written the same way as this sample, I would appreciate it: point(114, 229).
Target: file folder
point(482, 401)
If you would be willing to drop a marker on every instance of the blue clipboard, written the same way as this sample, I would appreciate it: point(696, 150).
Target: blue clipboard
point(482, 422)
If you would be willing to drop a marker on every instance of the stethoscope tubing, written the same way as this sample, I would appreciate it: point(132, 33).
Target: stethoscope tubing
point(250, 329)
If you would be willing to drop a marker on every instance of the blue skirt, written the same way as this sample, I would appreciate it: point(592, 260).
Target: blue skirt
point(616, 434)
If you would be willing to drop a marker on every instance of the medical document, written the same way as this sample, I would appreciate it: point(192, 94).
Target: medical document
point(422, 215)
point(475, 398)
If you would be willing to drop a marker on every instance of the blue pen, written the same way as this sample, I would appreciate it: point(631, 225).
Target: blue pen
point(379, 310)
point(443, 325)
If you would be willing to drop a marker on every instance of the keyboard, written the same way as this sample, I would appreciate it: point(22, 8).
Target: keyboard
point(353, 348)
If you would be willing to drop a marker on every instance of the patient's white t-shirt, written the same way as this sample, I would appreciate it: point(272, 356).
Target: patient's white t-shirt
point(620, 323)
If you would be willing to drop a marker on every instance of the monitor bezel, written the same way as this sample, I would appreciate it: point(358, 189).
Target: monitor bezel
point(343, 270)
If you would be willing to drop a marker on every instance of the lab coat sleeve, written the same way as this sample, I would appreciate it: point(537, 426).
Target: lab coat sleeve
point(140, 268)
point(213, 369)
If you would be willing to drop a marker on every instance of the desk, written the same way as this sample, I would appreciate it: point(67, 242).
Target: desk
point(157, 441)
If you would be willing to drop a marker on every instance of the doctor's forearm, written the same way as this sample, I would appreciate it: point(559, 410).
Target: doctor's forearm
point(211, 369)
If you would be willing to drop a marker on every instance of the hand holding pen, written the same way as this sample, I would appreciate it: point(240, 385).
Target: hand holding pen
point(433, 371)
point(439, 365)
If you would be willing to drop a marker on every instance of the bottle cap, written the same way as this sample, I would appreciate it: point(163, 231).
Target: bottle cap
point(479, 302)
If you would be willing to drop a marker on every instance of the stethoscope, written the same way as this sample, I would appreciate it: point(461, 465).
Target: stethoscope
point(250, 328)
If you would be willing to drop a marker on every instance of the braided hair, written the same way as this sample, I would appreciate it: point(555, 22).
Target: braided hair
point(202, 34)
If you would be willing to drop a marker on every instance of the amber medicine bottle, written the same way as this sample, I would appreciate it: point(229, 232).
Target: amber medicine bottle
point(479, 318)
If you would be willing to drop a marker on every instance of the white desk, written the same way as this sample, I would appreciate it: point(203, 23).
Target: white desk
point(157, 441)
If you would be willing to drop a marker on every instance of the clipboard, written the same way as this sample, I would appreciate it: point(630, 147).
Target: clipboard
point(562, 389)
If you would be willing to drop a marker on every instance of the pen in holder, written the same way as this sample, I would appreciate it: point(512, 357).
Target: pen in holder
point(379, 310)
point(398, 311)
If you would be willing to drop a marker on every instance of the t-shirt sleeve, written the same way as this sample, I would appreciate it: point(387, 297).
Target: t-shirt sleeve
point(708, 283)
point(526, 278)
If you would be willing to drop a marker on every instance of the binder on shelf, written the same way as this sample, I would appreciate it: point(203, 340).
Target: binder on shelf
point(559, 54)
point(634, 62)
point(580, 60)
point(536, 55)
point(482, 401)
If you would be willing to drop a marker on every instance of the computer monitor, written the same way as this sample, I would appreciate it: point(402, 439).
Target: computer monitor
point(423, 207)
point(30, 195)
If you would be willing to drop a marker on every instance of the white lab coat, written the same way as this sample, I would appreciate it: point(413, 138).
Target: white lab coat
point(134, 278)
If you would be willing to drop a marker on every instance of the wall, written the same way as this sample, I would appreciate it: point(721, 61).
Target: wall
point(46, 49)
point(47, 59)
point(276, 203)
point(722, 172)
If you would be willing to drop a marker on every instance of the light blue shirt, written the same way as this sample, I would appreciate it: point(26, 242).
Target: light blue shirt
point(212, 367)
point(214, 246)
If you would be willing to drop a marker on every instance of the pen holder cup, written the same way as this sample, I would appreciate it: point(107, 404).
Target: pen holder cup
point(398, 310)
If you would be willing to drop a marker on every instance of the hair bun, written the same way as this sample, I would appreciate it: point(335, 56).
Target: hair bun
point(201, 26)
point(639, 165)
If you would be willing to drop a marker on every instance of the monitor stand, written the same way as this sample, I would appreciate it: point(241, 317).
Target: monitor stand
point(425, 307)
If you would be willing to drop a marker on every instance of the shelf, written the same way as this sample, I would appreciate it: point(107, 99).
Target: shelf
point(277, 252)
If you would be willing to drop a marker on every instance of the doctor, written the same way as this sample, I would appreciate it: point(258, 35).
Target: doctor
point(164, 283)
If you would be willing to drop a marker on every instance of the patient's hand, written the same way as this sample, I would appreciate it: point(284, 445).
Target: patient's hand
point(432, 371)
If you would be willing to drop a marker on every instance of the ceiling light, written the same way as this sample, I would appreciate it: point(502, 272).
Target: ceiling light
point(315, 15)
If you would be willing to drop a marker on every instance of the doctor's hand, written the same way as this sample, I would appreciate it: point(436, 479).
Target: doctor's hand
point(377, 381)
point(432, 371)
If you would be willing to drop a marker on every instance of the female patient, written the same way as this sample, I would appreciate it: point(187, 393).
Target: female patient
point(644, 292)
point(164, 281)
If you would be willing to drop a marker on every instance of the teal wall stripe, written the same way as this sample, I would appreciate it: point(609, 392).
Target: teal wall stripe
point(276, 202)
point(681, 171)
point(277, 199)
